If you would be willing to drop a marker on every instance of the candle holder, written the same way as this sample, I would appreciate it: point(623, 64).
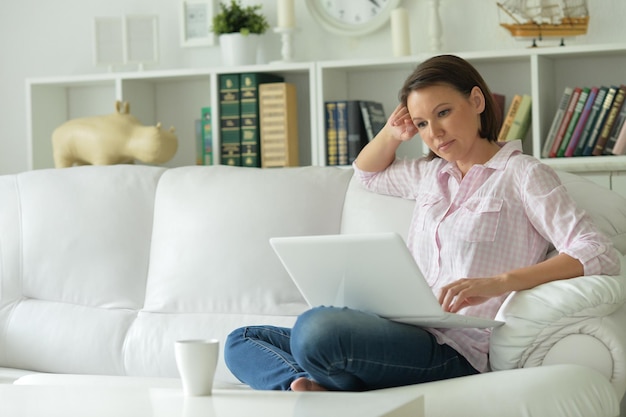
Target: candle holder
point(285, 38)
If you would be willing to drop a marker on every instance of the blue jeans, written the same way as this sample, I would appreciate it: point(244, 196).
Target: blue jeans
point(341, 349)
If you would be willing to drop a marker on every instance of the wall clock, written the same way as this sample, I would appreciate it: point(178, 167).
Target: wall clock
point(351, 17)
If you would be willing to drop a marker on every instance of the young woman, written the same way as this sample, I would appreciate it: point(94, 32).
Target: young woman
point(486, 217)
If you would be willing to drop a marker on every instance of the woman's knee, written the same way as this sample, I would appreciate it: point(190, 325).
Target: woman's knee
point(320, 329)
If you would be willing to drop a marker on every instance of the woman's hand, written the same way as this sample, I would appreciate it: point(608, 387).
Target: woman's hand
point(399, 124)
point(468, 292)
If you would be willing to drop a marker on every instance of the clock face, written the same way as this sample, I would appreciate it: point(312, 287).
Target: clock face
point(351, 17)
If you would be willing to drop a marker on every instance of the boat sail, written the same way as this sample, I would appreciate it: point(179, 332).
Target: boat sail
point(539, 19)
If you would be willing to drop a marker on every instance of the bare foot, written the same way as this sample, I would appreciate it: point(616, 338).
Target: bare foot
point(305, 384)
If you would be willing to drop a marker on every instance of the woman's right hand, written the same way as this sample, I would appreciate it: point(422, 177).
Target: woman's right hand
point(399, 124)
point(380, 152)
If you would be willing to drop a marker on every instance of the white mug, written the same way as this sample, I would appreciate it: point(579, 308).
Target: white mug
point(196, 361)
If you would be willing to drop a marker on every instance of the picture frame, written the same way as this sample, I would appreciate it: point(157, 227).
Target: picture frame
point(109, 49)
point(141, 39)
point(196, 17)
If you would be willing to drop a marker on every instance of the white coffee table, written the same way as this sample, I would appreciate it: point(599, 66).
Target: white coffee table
point(135, 400)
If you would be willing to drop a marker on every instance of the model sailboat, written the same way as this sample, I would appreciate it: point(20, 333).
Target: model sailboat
point(538, 19)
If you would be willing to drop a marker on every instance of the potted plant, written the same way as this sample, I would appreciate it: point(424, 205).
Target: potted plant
point(238, 29)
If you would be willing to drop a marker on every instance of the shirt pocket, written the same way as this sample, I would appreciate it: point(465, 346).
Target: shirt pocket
point(425, 211)
point(479, 218)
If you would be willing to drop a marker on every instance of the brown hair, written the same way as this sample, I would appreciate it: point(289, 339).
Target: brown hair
point(463, 77)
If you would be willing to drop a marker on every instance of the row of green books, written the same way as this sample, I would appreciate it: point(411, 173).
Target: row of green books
point(239, 117)
point(349, 126)
point(588, 122)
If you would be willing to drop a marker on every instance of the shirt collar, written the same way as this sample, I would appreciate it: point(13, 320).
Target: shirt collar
point(497, 162)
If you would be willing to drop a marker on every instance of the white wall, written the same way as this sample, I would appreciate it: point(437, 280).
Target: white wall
point(40, 38)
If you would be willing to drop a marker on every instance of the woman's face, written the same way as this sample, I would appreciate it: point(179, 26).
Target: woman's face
point(448, 122)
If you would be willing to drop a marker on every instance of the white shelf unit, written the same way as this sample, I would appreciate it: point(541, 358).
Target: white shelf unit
point(175, 97)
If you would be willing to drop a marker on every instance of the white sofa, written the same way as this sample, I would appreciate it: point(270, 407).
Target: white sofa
point(103, 268)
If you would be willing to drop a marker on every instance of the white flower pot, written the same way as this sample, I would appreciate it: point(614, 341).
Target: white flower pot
point(238, 49)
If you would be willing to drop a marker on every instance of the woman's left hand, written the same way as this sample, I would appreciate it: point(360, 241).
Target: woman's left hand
point(468, 292)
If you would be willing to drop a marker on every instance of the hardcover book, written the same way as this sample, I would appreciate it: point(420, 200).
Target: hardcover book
point(342, 132)
point(249, 116)
point(230, 131)
point(610, 121)
point(521, 121)
point(600, 120)
point(278, 115)
point(591, 120)
point(207, 136)
point(510, 116)
point(374, 117)
point(582, 121)
point(578, 109)
point(332, 148)
point(357, 137)
point(556, 121)
point(615, 131)
point(565, 122)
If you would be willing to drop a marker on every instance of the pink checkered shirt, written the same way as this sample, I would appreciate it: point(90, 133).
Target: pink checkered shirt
point(505, 214)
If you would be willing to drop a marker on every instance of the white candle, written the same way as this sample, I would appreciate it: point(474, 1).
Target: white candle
point(286, 14)
point(400, 38)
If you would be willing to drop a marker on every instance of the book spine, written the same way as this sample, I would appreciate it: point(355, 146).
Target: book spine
point(332, 149)
point(521, 121)
point(249, 117)
point(578, 109)
point(510, 116)
point(591, 120)
point(377, 116)
point(597, 127)
point(342, 132)
point(565, 122)
point(199, 143)
point(230, 130)
point(207, 136)
point(278, 116)
point(620, 143)
point(617, 126)
point(357, 138)
point(610, 121)
point(556, 121)
point(367, 122)
point(582, 120)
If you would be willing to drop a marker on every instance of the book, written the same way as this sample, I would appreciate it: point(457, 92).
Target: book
point(330, 126)
point(600, 120)
point(582, 121)
point(617, 126)
point(342, 132)
point(207, 136)
point(230, 130)
point(591, 120)
point(611, 117)
point(521, 121)
point(565, 122)
point(278, 117)
point(556, 121)
point(374, 117)
point(499, 100)
point(357, 137)
point(199, 145)
point(510, 116)
point(249, 115)
point(620, 142)
point(571, 126)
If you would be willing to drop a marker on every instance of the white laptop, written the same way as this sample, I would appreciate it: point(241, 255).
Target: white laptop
point(369, 272)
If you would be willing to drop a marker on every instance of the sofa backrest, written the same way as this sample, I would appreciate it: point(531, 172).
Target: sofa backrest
point(102, 268)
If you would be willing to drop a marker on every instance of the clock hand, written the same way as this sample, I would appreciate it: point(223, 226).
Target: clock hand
point(375, 3)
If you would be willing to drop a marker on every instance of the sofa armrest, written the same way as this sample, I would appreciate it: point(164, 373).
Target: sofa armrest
point(539, 318)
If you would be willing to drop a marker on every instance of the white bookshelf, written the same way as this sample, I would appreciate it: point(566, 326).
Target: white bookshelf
point(175, 97)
